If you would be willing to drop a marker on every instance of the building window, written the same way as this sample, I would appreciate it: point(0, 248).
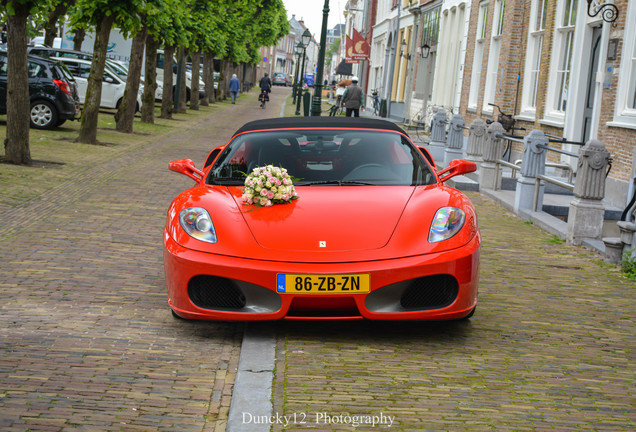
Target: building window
point(625, 111)
point(533, 58)
point(559, 80)
point(475, 79)
point(493, 56)
point(430, 27)
point(631, 104)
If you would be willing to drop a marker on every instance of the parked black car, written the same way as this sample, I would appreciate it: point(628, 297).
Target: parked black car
point(52, 91)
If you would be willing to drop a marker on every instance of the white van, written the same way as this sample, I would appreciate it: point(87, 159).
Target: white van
point(113, 86)
point(160, 63)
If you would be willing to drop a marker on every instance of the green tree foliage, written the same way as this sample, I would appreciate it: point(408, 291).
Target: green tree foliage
point(49, 17)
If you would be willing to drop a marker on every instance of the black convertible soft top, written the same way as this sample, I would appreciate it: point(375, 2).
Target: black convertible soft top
point(321, 122)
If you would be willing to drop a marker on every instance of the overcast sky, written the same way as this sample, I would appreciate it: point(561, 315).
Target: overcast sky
point(311, 12)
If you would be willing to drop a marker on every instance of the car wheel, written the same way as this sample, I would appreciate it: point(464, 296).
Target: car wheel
point(470, 314)
point(43, 115)
point(174, 315)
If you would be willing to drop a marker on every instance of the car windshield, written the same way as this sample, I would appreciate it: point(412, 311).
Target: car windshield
point(117, 68)
point(325, 157)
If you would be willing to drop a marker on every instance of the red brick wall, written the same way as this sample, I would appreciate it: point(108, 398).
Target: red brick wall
point(620, 142)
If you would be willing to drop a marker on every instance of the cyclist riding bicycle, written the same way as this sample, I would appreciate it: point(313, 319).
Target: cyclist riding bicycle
point(266, 87)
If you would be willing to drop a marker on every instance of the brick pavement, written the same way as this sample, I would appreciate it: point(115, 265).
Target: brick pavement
point(87, 340)
point(551, 347)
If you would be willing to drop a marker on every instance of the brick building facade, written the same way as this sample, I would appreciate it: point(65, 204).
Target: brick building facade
point(558, 70)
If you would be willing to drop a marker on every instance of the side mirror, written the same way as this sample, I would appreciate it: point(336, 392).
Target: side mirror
point(186, 166)
point(456, 167)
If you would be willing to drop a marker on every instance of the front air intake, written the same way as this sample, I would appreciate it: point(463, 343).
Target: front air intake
point(430, 292)
point(213, 292)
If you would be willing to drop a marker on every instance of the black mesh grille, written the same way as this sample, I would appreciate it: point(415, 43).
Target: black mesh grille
point(431, 292)
point(210, 292)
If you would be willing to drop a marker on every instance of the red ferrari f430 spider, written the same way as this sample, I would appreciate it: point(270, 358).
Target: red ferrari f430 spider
point(321, 218)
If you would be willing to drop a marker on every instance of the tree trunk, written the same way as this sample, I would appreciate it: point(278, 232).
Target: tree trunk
point(126, 113)
point(150, 85)
point(196, 68)
point(88, 123)
point(209, 85)
point(167, 104)
point(16, 145)
point(183, 97)
point(224, 69)
point(50, 28)
point(205, 100)
point(78, 39)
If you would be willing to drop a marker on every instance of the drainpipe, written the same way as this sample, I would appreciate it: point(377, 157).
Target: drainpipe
point(412, 62)
point(395, 51)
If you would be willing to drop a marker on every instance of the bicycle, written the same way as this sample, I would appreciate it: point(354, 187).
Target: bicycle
point(376, 102)
point(421, 126)
point(507, 121)
point(263, 98)
point(336, 109)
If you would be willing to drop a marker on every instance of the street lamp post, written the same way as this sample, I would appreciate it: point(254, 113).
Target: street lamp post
point(300, 84)
point(305, 39)
point(299, 51)
point(316, 106)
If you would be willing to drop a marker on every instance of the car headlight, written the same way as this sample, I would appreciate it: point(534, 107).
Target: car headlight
point(197, 223)
point(446, 223)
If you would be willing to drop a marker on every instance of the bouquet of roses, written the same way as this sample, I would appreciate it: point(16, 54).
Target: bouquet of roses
point(268, 185)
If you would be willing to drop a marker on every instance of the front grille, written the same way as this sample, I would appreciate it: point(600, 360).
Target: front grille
point(212, 292)
point(430, 292)
point(323, 306)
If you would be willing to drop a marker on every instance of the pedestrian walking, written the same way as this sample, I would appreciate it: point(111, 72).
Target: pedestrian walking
point(353, 98)
point(235, 87)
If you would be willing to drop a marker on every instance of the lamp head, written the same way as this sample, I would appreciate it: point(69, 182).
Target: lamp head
point(306, 37)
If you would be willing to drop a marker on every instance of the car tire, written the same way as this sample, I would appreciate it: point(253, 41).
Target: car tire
point(43, 115)
point(470, 314)
point(174, 315)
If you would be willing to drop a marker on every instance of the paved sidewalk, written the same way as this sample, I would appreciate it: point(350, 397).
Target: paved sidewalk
point(87, 339)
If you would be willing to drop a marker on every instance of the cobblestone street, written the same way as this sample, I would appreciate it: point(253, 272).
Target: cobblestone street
point(550, 347)
point(88, 341)
point(87, 338)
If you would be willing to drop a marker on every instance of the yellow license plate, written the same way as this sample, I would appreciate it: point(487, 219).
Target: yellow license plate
point(322, 284)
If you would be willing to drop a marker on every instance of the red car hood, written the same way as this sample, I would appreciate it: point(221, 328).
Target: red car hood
point(327, 223)
point(330, 219)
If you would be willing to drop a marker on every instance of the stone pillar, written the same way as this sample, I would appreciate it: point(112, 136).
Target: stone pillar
point(438, 135)
point(586, 215)
point(493, 151)
point(532, 165)
point(476, 142)
point(455, 139)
